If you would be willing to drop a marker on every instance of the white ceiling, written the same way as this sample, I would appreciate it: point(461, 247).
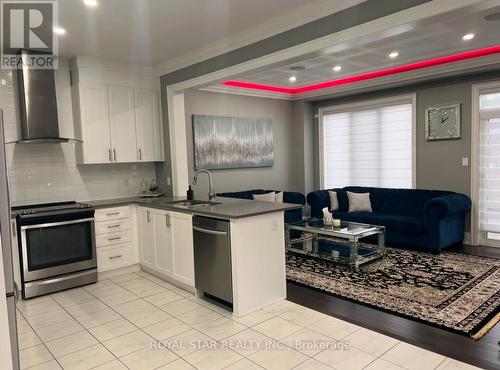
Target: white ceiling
point(171, 32)
point(441, 38)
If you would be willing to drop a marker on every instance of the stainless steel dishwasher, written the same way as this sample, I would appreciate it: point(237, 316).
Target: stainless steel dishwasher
point(212, 258)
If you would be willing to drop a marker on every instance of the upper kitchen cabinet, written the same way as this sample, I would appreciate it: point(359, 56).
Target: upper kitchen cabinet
point(94, 113)
point(117, 113)
point(122, 123)
point(147, 125)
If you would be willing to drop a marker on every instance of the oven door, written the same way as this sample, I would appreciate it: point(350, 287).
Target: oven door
point(57, 248)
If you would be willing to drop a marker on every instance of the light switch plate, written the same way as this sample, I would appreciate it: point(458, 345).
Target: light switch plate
point(465, 162)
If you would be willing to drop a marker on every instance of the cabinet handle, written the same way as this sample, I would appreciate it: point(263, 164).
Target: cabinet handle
point(114, 154)
point(117, 256)
point(109, 155)
point(13, 230)
point(115, 238)
point(113, 226)
point(140, 154)
point(149, 219)
point(167, 220)
point(112, 214)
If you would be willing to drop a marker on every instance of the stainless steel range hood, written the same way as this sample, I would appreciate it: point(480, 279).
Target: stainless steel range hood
point(38, 104)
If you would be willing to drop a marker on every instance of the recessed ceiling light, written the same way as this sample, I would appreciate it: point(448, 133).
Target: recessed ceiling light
point(337, 68)
point(292, 79)
point(393, 54)
point(91, 3)
point(468, 37)
point(59, 30)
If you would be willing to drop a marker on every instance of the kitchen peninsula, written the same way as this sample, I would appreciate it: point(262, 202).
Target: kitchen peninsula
point(157, 233)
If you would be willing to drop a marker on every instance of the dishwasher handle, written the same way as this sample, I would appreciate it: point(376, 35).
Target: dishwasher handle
point(211, 232)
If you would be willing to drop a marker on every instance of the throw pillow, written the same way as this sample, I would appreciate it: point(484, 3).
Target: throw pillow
point(279, 197)
point(334, 201)
point(359, 202)
point(268, 197)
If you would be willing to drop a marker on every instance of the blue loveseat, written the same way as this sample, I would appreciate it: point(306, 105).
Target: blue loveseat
point(423, 219)
point(294, 215)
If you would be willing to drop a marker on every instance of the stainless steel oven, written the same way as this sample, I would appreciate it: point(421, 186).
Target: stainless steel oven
point(57, 247)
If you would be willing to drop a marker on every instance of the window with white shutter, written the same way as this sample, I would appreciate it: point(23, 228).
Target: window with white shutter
point(368, 144)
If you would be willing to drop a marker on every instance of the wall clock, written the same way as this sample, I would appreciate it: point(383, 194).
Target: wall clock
point(442, 122)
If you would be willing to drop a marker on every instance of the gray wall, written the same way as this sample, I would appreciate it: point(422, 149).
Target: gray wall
point(284, 175)
point(351, 17)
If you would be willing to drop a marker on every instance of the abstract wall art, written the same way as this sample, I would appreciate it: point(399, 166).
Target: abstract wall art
point(232, 142)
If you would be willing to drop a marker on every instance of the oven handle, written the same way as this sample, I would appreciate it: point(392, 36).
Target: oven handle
point(51, 224)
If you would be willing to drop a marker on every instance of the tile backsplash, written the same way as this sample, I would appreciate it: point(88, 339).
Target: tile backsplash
point(40, 173)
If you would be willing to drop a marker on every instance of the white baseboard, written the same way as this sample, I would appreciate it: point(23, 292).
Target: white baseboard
point(111, 273)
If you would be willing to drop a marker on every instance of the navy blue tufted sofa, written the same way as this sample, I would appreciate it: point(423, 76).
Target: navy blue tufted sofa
point(423, 219)
point(294, 215)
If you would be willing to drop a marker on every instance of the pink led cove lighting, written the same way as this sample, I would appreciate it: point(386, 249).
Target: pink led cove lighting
point(369, 75)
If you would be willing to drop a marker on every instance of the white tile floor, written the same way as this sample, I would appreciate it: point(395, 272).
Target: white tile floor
point(138, 321)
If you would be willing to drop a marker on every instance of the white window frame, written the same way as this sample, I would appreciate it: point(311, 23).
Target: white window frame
point(367, 104)
point(477, 237)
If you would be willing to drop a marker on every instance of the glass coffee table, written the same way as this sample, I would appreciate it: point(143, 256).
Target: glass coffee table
point(342, 244)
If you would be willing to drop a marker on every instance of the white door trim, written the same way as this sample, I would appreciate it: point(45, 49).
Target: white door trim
point(475, 159)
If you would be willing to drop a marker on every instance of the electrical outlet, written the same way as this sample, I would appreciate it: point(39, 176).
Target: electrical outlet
point(465, 162)
point(169, 182)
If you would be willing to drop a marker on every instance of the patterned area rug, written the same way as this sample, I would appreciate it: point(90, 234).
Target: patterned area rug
point(454, 291)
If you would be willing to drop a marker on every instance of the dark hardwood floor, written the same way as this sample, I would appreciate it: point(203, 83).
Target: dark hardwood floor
point(484, 353)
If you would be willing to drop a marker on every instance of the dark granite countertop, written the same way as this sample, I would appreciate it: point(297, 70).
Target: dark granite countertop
point(228, 208)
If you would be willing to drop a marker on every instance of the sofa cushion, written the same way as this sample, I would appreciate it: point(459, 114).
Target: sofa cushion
point(268, 197)
point(408, 224)
point(334, 201)
point(359, 202)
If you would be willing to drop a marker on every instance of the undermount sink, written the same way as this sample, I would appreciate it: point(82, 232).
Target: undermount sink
point(194, 203)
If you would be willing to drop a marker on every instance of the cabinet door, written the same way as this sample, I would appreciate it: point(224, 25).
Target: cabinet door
point(182, 241)
point(163, 241)
point(95, 124)
point(147, 125)
point(146, 237)
point(122, 123)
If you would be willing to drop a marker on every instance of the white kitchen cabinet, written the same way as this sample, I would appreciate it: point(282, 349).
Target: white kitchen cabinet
point(182, 242)
point(146, 238)
point(95, 130)
point(122, 124)
point(166, 240)
point(115, 241)
point(148, 129)
point(163, 240)
point(117, 124)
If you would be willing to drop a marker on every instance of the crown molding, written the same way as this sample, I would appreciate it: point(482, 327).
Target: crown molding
point(248, 92)
point(82, 61)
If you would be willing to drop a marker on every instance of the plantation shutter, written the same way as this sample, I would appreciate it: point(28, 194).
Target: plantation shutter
point(369, 146)
point(489, 215)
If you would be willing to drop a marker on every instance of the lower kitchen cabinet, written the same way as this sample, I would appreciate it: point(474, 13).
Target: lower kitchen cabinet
point(166, 243)
point(182, 241)
point(146, 238)
point(115, 241)
point(162, 241)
